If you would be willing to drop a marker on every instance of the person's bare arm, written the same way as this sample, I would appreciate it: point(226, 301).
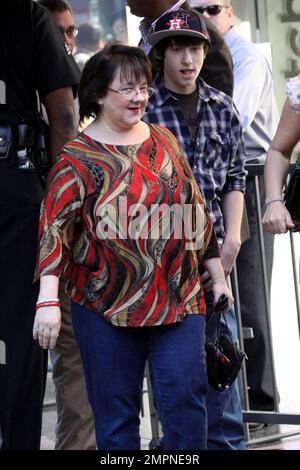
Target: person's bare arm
point(286, 138)
point(232, 208)
point(60, 110)
point(47, 319)
point(276, 218)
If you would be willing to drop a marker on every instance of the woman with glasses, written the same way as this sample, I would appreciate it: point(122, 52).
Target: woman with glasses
point(125, 226)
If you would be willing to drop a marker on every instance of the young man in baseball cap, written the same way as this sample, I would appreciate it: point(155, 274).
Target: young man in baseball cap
point(208, 129)
point(217, 69)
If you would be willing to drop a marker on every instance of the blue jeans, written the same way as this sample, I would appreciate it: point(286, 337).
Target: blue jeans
point(224, 411)
point(114, 362)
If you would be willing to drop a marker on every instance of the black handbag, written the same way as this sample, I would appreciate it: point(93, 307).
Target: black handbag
point(223, 357)
point(292, 195)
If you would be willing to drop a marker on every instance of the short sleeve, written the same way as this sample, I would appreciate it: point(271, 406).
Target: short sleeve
point(60, 212)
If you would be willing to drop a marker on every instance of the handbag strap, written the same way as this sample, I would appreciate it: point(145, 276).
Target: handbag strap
point(218, 325)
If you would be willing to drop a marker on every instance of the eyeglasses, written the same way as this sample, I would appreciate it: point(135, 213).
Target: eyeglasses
point(71, 31)
point(212, 10)
point(130, 92)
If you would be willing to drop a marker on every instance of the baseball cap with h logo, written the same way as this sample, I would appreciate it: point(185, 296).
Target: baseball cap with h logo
point(179, 23)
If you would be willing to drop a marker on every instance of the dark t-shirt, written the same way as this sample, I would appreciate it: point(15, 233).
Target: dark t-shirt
point(188, 104)
point(32, 57)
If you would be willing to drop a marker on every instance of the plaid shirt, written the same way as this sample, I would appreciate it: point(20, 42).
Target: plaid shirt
point(217, 156)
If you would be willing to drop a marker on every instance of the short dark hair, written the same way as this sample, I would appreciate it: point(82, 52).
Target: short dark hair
point(160, 49)
point(100, 70)
point(55, 5)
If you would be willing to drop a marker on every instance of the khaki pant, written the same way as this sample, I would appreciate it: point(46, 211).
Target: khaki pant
point(75, 425)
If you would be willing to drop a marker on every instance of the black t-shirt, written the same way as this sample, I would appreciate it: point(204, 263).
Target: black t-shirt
point(189, 104)
point(33, 58)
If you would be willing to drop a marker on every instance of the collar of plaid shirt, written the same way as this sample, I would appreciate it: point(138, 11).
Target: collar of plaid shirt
point(162, 94)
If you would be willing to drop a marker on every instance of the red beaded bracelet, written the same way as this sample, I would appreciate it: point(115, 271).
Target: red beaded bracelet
point(47, 304)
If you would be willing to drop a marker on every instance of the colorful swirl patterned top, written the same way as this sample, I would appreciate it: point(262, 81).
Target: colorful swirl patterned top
point(116, 223)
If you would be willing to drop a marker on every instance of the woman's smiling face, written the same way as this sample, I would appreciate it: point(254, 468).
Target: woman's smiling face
point(125, 102)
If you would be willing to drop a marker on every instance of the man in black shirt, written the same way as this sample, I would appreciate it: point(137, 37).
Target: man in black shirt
point(63, 17)
point(33, 58)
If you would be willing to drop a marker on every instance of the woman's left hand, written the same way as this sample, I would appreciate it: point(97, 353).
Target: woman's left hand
point(46, 326)
point(219, 288)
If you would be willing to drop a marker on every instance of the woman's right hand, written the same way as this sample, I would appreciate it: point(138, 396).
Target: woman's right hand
point(46, 326)
point(277, 218)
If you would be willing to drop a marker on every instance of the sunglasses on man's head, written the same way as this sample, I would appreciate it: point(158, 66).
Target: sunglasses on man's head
point(212, 10)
